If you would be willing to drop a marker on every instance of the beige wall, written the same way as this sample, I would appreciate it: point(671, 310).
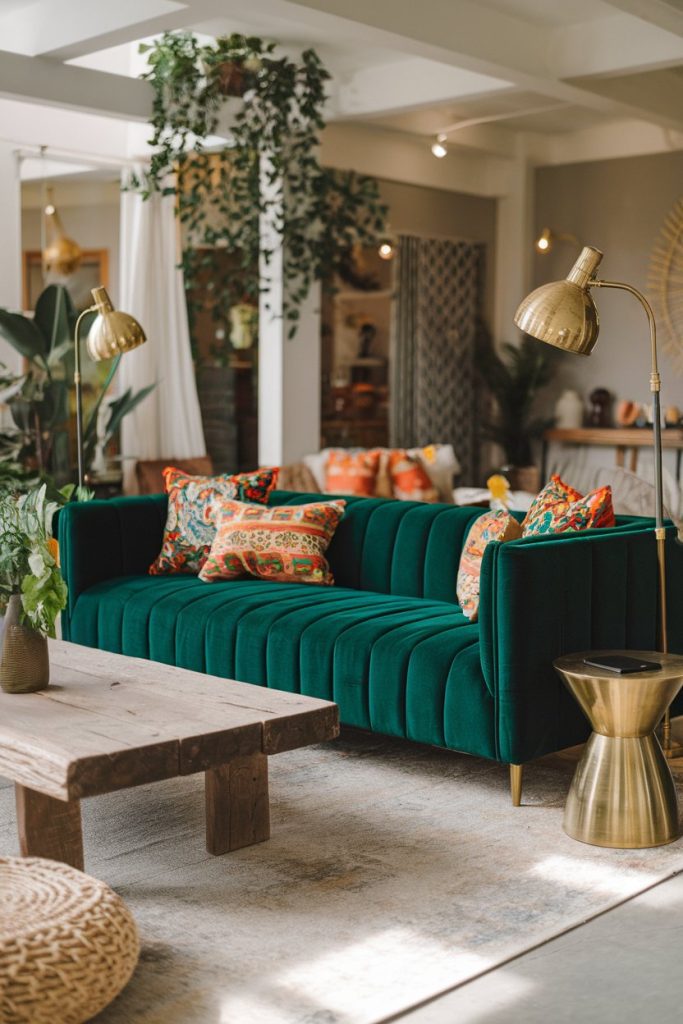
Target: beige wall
point(436, 213)
point(618, 206)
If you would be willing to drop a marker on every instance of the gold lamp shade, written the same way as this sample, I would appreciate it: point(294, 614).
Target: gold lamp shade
point(61, 255)
point(563, 313)
point(112, 332)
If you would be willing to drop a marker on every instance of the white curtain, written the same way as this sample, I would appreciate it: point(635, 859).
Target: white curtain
point(167, 424)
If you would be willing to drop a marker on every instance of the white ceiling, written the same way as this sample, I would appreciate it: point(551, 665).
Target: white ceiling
point(414, 68)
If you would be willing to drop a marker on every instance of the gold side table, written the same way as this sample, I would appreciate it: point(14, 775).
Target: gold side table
point(622, 794)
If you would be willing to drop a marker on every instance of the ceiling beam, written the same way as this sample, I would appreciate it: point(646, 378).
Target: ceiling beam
point(657, 12)
point(46, 81)
point(485, 41)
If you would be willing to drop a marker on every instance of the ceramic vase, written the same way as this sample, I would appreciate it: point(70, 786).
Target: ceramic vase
point(24, 660)
point(569, 410)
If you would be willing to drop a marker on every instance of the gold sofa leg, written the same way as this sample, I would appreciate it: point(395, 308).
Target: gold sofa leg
point(516, 771)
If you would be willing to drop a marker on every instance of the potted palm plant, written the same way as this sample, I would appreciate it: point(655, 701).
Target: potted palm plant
point(32, 584)
point(514, 379)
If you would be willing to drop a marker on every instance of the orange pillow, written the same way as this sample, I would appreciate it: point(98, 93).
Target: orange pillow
point(284, 543)
point(409, 479)
point(352, 473)
point(560, 508)
point(495, 525)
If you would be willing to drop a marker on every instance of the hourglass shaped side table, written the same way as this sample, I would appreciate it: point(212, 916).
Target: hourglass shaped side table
point(622, 794)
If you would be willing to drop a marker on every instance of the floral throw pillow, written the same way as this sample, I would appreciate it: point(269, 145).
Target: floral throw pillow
point(409, 479)
point(592, 511)
point(284, 543)
point(499, 526)
point(560, 508)
point(190, 526)
point(352, 473)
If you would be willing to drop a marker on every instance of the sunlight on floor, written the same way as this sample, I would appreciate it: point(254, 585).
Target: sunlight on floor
point(586, 874)
point(363, 981)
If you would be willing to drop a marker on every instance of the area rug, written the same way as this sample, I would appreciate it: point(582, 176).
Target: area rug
point(394, 872)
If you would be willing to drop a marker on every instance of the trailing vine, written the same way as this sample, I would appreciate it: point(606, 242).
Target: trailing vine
point(271, 169)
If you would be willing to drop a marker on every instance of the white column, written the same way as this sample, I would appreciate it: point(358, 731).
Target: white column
point(10, 251)
point(289, 368)
point(10, 228)
point(514, 245)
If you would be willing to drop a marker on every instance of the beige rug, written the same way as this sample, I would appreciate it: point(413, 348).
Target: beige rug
point(393, 873)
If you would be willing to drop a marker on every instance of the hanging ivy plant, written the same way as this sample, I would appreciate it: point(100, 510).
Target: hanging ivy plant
point(270, 168)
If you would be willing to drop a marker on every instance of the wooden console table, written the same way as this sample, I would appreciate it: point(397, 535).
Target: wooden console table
point(622, 439)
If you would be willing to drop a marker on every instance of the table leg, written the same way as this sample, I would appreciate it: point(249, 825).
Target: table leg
point(634, 460)
point(620, 453)
point(48, 827)
point(237, 806)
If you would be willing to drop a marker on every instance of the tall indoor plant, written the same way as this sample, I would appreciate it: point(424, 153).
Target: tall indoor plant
point(514, 378)
point(37, 445)
point(31, 581)
point(271, 167)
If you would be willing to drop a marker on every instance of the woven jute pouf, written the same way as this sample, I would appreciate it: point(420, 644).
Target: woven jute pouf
point(68, 943)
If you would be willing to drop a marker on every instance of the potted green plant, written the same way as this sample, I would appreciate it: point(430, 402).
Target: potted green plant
point(514, 379)
point(38, 398)
point(271, 170)
point(31, 581)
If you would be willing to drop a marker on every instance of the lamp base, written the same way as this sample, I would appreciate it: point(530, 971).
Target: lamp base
point(674, 749)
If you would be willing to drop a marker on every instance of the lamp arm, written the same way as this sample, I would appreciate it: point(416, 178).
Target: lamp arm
point(79, 394)
point(660, 533)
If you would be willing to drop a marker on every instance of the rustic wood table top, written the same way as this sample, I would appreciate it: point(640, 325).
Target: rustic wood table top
point(108, 721)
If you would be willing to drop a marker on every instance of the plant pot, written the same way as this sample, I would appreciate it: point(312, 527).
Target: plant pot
point(231, 78)
point(523, 478)
point(25, 661)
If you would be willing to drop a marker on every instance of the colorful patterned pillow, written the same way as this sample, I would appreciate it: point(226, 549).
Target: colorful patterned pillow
point(285, 543)
point(499, 526)
point(409, 480)
point(563, 516)
point(555, 490)
point(190, 526)
point(352, 473)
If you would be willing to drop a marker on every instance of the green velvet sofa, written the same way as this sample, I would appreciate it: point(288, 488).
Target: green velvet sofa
point(388, 642)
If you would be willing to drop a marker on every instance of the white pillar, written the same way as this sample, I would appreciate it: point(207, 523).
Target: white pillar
point(514, 245)
point(10, 229)
point(10, 252)
point(289, 368)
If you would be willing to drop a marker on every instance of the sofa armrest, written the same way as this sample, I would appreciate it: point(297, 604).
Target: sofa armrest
point(542, 598)
point(99, 540)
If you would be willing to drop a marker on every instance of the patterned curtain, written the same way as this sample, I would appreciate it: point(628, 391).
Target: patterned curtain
point(433, 392)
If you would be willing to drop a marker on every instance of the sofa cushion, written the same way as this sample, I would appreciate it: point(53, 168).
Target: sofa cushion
point(190, 526)
point(282, 543)
point(404, 666)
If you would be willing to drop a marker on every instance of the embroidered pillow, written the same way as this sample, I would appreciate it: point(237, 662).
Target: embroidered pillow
point(555, 490)
point(190, 527)
point(285, 543)
point(352, 473)
point(564, 516)
point(409, 479)
point(499, 526)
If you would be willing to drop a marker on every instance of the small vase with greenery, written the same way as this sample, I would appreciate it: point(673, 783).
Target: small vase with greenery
point(514, 378)
point(32, 584)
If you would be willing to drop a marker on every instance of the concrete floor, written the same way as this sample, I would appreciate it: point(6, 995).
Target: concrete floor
point(625, 967)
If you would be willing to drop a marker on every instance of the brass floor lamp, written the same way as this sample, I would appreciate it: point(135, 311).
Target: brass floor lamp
point(112, 333)
point(563, 314)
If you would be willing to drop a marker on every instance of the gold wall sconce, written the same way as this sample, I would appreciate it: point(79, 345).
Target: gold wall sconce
point(547, 239)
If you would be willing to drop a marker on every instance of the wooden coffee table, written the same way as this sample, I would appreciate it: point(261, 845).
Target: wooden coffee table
point(109, 722)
